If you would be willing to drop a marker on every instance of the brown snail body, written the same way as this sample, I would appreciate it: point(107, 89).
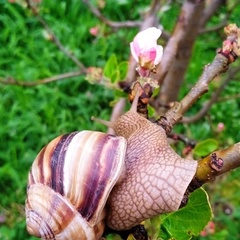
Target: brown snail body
point(140, 176)
point(156, 177)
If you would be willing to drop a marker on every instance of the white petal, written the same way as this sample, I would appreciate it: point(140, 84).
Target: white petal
point(149, 35)
point(158, 58)
point(134, 53)
point(148, 38)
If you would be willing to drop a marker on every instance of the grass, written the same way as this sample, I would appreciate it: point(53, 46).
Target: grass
point(31, 116)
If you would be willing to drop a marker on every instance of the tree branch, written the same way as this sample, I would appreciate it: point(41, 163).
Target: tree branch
point(216, 164)
point(54, 38)
point(231, 97)
point(97, 13)
point(175, 114)
point(177, 53)
point(11, 81)
point(229, 52)
point(118, 109)
point(214, 97)
point(214, 28)
point(210, 10)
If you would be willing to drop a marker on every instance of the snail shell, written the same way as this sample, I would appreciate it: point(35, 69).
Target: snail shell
point(69, 184)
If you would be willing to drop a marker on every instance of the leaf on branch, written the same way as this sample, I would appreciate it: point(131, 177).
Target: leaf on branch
point(115, 71)
point(188, 221)
point(110, 68)
point(205, 147)
point(123, 70)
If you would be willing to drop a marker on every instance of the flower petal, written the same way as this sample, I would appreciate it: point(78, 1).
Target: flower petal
point(134, 50)
point(148, 37)
point(159, 51)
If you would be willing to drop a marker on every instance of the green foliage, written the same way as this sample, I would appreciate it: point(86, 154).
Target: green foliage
point(188, 221)
point(226, 207)
point(115, 71)
point(204, 148)
point(31, 117)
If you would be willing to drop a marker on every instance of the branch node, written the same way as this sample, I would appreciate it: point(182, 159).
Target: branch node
point(216, 163)
point(165, 124)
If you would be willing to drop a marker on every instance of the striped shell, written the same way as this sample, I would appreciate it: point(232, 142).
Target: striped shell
point(69, 184)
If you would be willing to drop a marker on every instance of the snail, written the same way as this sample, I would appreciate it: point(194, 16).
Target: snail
point(83, 180)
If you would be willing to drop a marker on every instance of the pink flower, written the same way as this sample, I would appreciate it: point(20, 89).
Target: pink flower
point(145, 50)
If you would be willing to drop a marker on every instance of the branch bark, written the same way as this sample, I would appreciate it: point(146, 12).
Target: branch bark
point(170, 71)
point(113, 24)
point(216, 164)
point(214, 97)
point(12, 81)
point(54, 38)
point(210, 10)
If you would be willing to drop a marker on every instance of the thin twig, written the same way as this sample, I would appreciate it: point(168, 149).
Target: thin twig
point(11, 81)
point(210, 10)
point(97, 13)
point(54, 38)
point(214, 28)
point(219, 65)
point(154, 7)
point(117, 111)
point(228, 98)
point(214, 97)
point(181, 137)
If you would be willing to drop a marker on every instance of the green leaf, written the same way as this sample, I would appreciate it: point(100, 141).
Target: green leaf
point(120, 93)
point(123, 68)
point(151, 111)
point(205, 147)
point(188, 221)
point(155, 92)
point(110, 68)
point(115, 76)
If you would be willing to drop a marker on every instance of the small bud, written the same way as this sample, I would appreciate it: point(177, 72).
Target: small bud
point(209, 229)
point(220, 127)
point(94, 31)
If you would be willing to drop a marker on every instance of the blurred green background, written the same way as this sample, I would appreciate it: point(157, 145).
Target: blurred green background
point(31, 116)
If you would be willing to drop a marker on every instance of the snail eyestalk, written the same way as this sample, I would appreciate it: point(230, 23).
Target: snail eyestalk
point(132, 109)
point(104, 122)
point(135, 100)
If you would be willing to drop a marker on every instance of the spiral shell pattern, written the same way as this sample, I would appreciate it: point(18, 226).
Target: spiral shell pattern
point(69, 184)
